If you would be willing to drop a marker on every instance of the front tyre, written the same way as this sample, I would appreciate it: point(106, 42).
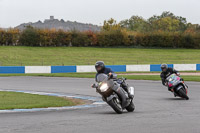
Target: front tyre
point(183, 94)
point(131, 107)
point(115, 104)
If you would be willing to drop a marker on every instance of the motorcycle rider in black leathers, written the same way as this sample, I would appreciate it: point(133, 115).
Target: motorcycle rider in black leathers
point(167, 71)
point(100, 68)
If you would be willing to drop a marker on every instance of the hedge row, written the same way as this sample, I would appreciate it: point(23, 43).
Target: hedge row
point(36, 37)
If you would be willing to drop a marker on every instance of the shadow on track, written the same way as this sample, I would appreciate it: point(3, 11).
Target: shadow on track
point(174, 99)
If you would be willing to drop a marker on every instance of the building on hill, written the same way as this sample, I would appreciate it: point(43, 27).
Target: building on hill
point(53, 23)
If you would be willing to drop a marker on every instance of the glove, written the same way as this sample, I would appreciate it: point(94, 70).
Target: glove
point(94, 86)
point(178, 74)
point(110, 75)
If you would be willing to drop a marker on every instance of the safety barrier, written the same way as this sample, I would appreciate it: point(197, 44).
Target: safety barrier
point(90, 68)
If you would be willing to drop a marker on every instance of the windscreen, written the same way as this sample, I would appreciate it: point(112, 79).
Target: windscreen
point(172, 76)
point(102, 77)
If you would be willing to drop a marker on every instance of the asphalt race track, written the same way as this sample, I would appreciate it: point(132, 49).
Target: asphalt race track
point(157, 111)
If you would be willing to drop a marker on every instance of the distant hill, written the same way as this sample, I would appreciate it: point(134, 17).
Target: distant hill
point(60, 24)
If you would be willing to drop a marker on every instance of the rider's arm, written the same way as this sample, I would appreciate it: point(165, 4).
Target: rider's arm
point(94, 85)
point(96, 77)
point(176, 72)
point(163, 79)
point(114, 75)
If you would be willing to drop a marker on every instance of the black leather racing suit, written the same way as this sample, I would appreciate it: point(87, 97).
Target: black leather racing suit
point(168, 72)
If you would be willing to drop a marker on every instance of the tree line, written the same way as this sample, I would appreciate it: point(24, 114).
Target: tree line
point(166, 30)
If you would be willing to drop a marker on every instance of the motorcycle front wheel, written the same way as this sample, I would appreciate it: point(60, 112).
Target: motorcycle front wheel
point(115, 104)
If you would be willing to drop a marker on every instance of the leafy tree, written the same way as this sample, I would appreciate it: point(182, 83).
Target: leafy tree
point(166, 24)
point(167, 21)
point(192, 28)
point(2, 34)
point(30, 37)
point(111, 24)
point(135, 23)
point(79, 39)
point(112, 34)
point(92, 38)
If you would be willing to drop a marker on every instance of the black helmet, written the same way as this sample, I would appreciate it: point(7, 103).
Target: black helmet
point(164, 67)
point(100, 66)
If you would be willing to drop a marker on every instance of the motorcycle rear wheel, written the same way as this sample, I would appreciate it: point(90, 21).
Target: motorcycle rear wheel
point(131, 107)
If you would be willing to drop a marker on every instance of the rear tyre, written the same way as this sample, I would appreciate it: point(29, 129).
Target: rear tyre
point(115, 104)
point(131, 107)
point(183, 94)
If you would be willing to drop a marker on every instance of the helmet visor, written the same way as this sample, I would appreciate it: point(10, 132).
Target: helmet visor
point(98, 68)
point(164, 69)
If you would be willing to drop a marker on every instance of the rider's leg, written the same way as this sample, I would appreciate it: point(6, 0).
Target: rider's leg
point(169, 89)
point(125, 87)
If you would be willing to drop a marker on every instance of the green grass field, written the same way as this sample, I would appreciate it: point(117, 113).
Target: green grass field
point(17, 100)
point(21, 56)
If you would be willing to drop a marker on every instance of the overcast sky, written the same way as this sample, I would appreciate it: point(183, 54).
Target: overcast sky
point(15, 12)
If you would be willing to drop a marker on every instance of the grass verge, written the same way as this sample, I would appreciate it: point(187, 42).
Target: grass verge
point(18, 100)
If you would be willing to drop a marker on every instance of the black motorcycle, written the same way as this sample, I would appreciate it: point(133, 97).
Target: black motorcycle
point(114, 94)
